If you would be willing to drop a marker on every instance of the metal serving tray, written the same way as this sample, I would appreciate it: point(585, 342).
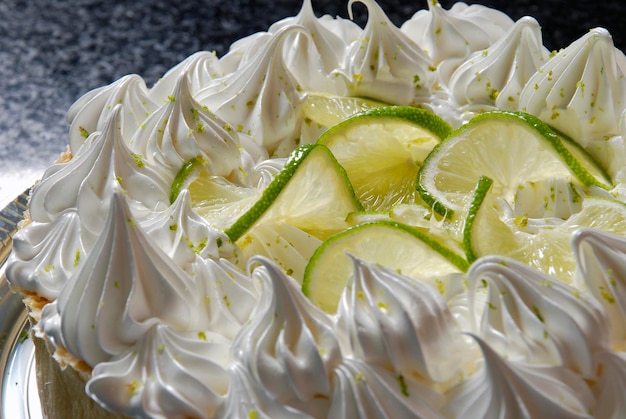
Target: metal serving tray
point(19, 398)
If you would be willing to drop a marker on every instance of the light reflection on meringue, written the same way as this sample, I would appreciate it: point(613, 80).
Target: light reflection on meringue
point(289, 347)
point(138, 382)
point(384, 63)
point(580, 91)
point(151, 294)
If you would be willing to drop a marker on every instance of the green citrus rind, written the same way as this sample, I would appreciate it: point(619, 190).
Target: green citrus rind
point(416, 116)
point(183, 175)
point(280, 182)
point(318, 273)
point(482, 188)
point(577, 165)
point(381, 150)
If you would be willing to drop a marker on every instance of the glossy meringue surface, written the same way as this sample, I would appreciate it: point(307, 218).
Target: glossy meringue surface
point(148, 294)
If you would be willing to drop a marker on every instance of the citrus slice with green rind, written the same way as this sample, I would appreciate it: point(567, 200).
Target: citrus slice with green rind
point(216, 199)
point(219, 201)
point(387, 243)
point(312, 193)
point(307, 202)
point(491, 228)
point(329, 110)
point(382, 149)
point(512, 148)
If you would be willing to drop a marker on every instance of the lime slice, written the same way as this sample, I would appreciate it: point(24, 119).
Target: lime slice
point(219, 201)
point(306, 202)
point(312, 193)
point(214, 198)
point(492, 228)
point(419, 217)
point(382, 149)
point(512, 148)
point(328, 110)
point(387, 243)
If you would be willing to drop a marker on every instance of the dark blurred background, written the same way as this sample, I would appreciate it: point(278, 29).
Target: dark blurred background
point(53, 51)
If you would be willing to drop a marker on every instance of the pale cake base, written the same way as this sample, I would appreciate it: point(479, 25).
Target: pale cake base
point(62, 391)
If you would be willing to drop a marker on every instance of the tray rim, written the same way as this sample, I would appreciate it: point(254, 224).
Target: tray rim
point(16, 350)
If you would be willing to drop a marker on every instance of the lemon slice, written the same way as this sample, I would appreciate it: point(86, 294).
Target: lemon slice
point(387, 243)
point(492, 228)
point(382, 149)
point(512, 148)
point(328, 110)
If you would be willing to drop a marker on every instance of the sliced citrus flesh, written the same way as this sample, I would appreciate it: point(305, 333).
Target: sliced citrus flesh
point(382, 150)
point(307, 202)
point(511, 148)
point(216, 199)
point(493, 228)
point(329, 110)
point(387, 243)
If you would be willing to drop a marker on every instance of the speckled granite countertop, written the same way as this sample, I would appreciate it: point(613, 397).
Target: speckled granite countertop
point(53, 51)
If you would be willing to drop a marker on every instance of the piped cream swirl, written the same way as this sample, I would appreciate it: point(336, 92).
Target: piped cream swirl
point(289, 347)
point(505, 388)
point(537, 319)
point(495, 77)
point(183, 129)
point(123, 266)
point(400, 324)
point(45, 255)
point(600, 259)
point(138, 382)
point(86, 182)
point(91, 112)
point(580, 91)
point(384, 63)
point(262, 98)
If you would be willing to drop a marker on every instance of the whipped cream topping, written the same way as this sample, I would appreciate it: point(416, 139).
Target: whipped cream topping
point(139, 381)
point(535, 318)
point(184, 129)
point(450, 36)
point(172, 319)
point(124, 266)
point(600, 257)
point(86, 182)
point(504, 388)
point(46, 254)
point(199, 68)
point(314, 55)
point(363, 390)
point(262, 98)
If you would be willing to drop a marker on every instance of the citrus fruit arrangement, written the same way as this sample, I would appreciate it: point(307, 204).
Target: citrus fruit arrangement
point(397, 186)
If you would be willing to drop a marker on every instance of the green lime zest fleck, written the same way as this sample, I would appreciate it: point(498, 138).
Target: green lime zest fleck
point(404, 389)
point(538, 313)
point(77, 258)
point(83, 132)
point(138, 158)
